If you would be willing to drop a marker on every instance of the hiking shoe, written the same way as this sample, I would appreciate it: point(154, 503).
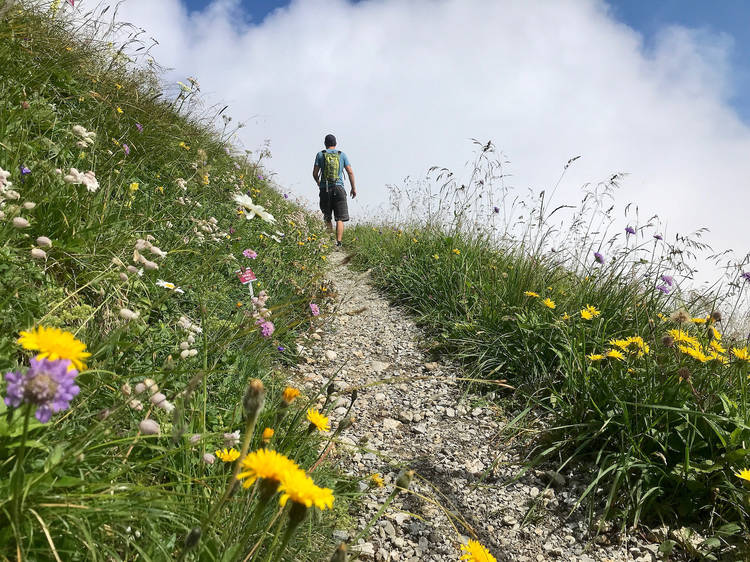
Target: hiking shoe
point(338, 243)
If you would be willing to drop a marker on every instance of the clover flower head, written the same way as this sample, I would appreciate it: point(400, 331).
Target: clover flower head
point(314, 309)
point(250, 254)
point(48, 384)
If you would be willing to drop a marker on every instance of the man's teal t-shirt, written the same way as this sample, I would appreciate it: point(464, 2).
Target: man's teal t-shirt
point(344, 163)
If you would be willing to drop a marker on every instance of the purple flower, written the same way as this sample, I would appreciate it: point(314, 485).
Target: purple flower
point(266, 327)
point(126, 149)
point(250, 254)
point(664, 289)
point(658, 237)
point(47, 384)
point(139, 127)
point(286, 196)
point(496, 209)
point(746, 276)
point(598, 257)
point(260, 177)
point(668, 279)
point(281, 348)
point(231, 230)
point(630, 230)
point(24, 170)
point(314, 309)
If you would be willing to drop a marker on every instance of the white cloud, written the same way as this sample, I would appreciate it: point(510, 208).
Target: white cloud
point(405, 84)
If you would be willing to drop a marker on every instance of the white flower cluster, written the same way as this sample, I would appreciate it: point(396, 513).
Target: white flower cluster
point(251, 209)
point(208, 230)
point(142, 245)
point(149, 387)
point(88, 179)
point(186, 349)
point(87, 138)
point(6, 193)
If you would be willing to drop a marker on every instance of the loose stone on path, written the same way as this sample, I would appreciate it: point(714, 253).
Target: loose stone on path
point(410, 412)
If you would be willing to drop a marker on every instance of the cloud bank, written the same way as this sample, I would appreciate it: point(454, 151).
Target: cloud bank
point(405, 83)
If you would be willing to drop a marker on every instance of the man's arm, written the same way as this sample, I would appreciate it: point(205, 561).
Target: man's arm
point(350, 173)
point(316, 174)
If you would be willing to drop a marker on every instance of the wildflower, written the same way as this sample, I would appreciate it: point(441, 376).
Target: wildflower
point(549, 303)
point(139, 127)
point(88, 179)
point(475, 552)
point(126, 149)
point(53, 344)
point(456, 251)
point(658, 237)
point(595, 356)
point(717, 347)
point(208, 458)
point(149, 427)
point(248, 253)
point(286, 196)
point(615, 354)
point(598, 257)
point(639, 344)
point(694, 352)
point(289, 394)
point(699, 320)
point(495, 209)
point(24, 170)
point(267, 465)
point(134, 186)
point(49, 384)
point(663, 288)
point(741, 353)
point(266, 327)
point(377, 480)
point(629, 230)
point(589, 312)
point(227, 455)
point(20, 222)
point(681, 336)
point(300, 488)
point(252, 209)
point(436, 256)
point(127, 314)
point(745, 275)
point(165, 284)
point(231, 439)
point(531, 294)
point(668, 279)
point(280, 348)
point(318, 420)
point(119, 110)
point(565, 316)
point(314, 310)
point(744, 474)
point(38, 254)
point(183, 145)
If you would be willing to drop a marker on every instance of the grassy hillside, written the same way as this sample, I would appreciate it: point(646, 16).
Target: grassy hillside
point(120, 236)
point(628, 378)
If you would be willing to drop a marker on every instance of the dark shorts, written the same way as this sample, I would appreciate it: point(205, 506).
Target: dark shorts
point(333, 201)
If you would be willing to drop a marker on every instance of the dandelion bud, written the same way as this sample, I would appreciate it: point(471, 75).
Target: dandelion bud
point(137, 405)
point(715, 316)
point(404, 478)
point(185, 353)
point(127, 314)
point(20, 222)
point(126, 390)
point(38, 254)
point(267, 435)
point(345, 424)
point(289, 394)
point(195, 438)
point(123, 276)
point(340, 554)
point(149, 427)
point(254, 398)
point(684, 374)
point(157, 399)
point(667, 341)
point(192, 538)
point(208, 458)
point(29, 205)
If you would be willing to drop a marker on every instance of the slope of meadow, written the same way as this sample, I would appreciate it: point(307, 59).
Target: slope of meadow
point(120, 235)
point(622, 375)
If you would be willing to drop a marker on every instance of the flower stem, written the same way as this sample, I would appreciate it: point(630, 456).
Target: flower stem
point(17, 479)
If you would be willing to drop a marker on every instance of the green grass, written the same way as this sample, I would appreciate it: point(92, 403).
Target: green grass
point(658, 436)
point(87, 485)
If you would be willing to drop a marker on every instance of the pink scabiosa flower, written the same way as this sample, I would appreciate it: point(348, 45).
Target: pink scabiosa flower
point(48, 385)
point(314, 309)
point(668, 279)
point(248, 253)
point(266, 327)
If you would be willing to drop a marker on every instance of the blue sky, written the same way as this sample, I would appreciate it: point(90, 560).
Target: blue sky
point(648, 17)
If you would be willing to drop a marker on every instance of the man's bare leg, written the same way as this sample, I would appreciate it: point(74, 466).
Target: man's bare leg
point(339, 230)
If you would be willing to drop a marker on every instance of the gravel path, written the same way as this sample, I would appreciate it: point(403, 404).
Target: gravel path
point(411, 412)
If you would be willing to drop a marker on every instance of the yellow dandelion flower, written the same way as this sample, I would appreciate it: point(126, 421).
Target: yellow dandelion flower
point(589, 312)
point(318, 420)
point(377, 480)
point(622, 344)
point(160, 189)
point(53, 344)
point(565, 316)
point(716, 333)
point(456, 251)
point(118, 86)
point(741, 353)
point(475, 552)
point(289, 394)
point(436, 256)
point(531, 294)
point(744, 474)
point(414, 240)
point(699, 320)
point(695, 353)
point(183, 145)
point(267, 434)
point(549, 303)
point(717, 347)
point(638, 343)
point(300, 488)
point(239, 304)
point(134, 186)
point(227, 455)
point(595, 356)
point(681, 336)
point(268, 465)
point(119, 109)
point(616, 354)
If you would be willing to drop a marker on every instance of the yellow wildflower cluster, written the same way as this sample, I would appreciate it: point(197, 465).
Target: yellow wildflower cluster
point(589, 312)
point(691, 346)
point(475, 552)
point(54, 344)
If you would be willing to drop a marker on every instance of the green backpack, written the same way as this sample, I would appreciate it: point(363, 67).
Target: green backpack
point(331, 167)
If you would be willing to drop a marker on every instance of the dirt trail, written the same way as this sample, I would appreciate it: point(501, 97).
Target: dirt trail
point(411, 412)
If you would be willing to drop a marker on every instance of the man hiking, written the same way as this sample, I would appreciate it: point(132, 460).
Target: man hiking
point(328, 173)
